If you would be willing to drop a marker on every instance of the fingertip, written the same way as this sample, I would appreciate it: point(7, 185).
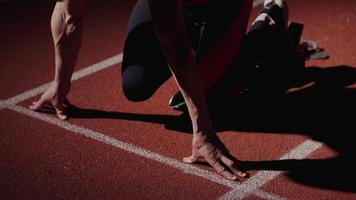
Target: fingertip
point(31, 107)
point(242, 174)
point(34, 106)
point(229, 176)
point(234, 178)
point(189, 160)
point(61, 114)
point(62, 117)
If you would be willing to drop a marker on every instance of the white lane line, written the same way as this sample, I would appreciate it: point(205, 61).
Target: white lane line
point(263, 177)
point(3, 104)
point(97, 67)
point(80, 74)
point(189, 169)
point(77, 75)
point(266, 195)
point(106, 139)
point(252, 185)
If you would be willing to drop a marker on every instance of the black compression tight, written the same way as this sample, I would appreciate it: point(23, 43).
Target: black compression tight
point(145, 69)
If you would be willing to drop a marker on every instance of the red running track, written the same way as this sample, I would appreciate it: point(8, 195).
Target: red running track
point(40, 159)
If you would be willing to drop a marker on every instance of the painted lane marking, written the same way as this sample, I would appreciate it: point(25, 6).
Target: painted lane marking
point(76, 76)
point(189, 169)
point(262, 177)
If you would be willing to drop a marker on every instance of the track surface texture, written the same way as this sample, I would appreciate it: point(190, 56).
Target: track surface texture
point(295, 146)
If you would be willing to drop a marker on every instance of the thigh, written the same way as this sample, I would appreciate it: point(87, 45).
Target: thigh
point(144, 67)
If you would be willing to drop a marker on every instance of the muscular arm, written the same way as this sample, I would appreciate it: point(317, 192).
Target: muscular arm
point(170, 28)
point(168, 21)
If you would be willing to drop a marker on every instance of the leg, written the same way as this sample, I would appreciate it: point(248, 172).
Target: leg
point(263, 58)
point(272, 46)
point(265, 54)
point(66, 25)
point(283, 15)
point(144, 66)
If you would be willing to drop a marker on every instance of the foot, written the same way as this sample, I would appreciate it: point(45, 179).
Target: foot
point(278, 11)
point(50, 98)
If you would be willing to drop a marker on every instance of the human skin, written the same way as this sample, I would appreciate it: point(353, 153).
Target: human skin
point(172, 35)
point(66, 26)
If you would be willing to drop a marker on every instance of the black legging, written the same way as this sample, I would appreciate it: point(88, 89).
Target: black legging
point(144, 67)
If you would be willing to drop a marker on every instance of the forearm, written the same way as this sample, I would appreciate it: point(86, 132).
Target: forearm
point(169, 25)
point(170, 28)
point(190, 84)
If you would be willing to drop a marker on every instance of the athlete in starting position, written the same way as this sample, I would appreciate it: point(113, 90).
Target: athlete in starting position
point(200, 42)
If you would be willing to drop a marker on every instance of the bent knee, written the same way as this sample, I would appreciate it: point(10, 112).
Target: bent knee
point(135, 94)
point(135, 84)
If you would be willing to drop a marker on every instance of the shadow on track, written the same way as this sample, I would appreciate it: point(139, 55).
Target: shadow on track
point(323, 108)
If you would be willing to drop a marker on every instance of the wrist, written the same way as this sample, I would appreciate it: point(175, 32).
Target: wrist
point(202, 126)
point(203, 135)
point(199, 139)
point(202, 138)
point(199, 115)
